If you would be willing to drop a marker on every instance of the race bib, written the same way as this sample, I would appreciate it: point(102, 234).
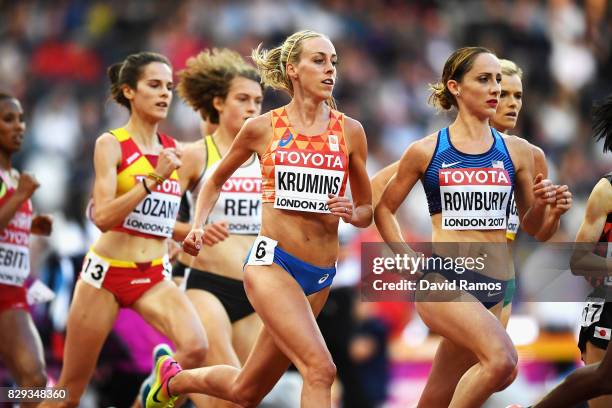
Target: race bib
point(156, 213)
point(474, 198)
point(167, 272)
point(240, 205)
point(591, 313)
point(14, 264)
point(94, 269)
point(262, 252)
point(513, 220)
point(304, 178)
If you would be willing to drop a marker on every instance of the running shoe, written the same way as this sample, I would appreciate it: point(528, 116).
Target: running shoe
point(159, 395)
point(159, 351)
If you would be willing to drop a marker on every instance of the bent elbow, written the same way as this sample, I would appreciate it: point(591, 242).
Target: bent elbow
point(102, 221)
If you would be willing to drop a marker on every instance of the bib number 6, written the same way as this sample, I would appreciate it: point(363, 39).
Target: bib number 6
point(262, 252)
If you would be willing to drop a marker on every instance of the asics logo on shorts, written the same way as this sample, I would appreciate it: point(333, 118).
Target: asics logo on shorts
point(323, 278)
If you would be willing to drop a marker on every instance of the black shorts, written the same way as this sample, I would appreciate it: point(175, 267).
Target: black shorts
point(230, 292)
point(596, 324)
point(488, 291)
point(178, 269)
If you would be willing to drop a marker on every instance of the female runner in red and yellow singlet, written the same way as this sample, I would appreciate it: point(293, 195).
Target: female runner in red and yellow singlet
point(136, 198)
point(20, 345)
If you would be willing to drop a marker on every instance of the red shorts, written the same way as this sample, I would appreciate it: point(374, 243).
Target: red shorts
point(13, 297)
point(127, 280)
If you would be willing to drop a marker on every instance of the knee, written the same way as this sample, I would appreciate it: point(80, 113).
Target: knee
point(193, 354)
point(321, 372)
point(501, 369)
point(34, 376)
point(71, 404)
point(245, 397)
point(509, 380)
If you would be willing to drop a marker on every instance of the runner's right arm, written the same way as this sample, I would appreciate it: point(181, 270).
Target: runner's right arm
point(380, 180)
point(247, 141)
point(109, 210)
point(584, 262)
point(26, 187)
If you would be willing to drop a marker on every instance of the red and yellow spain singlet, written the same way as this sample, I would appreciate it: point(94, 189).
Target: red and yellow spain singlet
point(299, 171)
point(156, 214)
point(15, 239)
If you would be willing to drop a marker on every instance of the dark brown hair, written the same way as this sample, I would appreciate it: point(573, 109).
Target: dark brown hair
point(456, 66)
point(128, 72)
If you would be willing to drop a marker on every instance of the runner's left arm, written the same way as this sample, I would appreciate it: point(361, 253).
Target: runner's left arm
point(361, 189)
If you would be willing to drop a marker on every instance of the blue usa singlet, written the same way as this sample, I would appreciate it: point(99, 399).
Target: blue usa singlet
point(472, 191)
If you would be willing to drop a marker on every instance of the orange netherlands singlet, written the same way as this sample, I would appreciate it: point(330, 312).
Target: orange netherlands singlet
point(155, 215)
point(299, 171)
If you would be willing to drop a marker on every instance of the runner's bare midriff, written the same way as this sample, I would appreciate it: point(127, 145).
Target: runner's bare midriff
point(312, 237)
point(126, 247)
point(225, 258)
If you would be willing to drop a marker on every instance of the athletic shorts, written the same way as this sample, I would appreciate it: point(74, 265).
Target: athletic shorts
point(13, 297)
point(510, 290)
point(311, 278)
point(230, 292)
point(126, 280)
point(178, 269)
point(492, 290)
point(595, 323)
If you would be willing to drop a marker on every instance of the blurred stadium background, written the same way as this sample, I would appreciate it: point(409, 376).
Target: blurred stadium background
point(54, 54)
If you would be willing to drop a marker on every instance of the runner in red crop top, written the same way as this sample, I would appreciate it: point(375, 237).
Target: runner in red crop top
point(136, 197)
point(20, 346)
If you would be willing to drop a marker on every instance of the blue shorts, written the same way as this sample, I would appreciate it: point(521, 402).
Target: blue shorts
point(311, 278)
point(494, 292)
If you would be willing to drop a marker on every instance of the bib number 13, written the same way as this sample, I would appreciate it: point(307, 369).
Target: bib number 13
point(94, 270)
point(262, 252)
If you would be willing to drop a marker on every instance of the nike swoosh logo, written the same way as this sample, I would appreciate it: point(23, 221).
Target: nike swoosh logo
point(444, 165)
point(493, 294)
point(157, 392)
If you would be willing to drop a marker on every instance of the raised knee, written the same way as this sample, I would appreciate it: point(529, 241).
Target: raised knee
point(501, 369)
point(193, 355)
point(69, 403)
point(37, 377)
point(322, 372)
point(245, 397)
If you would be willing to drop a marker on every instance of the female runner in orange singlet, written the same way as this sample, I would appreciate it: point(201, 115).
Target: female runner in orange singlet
point(308, 151)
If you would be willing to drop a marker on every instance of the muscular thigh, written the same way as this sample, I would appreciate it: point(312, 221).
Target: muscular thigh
point(167, 309)
point(218, 327)
point(20, 345)
point(244, 335)
point(448, 319)
point(289, 316)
